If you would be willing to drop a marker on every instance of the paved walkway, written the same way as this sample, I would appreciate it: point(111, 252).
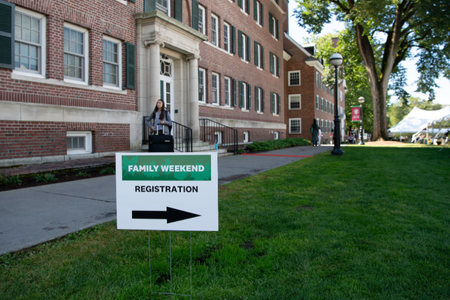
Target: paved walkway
point(31, 216)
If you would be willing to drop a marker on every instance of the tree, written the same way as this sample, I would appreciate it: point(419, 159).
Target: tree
point(385, 32)
point(354, 74)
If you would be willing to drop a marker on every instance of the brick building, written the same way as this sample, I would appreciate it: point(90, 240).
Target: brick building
point(307, 97)
point(78, 76)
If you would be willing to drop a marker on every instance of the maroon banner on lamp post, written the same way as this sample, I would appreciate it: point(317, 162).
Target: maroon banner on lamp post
point(356, 114)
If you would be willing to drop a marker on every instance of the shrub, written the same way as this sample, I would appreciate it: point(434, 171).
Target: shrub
point(277, 144)
point(109, 170)
point(46, 177)
point(82, 174)
point(13, 180)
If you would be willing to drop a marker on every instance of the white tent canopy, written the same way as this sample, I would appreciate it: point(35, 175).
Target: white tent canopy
point(418, 119)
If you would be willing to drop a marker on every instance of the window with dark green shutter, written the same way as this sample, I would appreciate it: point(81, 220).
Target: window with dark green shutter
point(150, 5)
point(249, 97)
point(241, 94)
point(248, 58)
point(233, 87)
point(233, 40)
point(6, 35)
point(256, 98)
point(178, 10)
point(262, 57)
point(263, 100)
point(195, 14)
point(131, 66)
point(271, 62)
point(279, 104)
point(240, 43)
point(278, 67)
point(256, 53)
point(270, 23)
point(272, 103)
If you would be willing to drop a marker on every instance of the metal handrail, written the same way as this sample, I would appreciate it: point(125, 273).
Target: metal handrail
point(182, 136)
point(229, 135)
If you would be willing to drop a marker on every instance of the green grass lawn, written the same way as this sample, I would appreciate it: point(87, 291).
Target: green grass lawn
point(373, 224)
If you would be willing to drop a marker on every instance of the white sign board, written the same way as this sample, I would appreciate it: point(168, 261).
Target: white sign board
point(167, 191)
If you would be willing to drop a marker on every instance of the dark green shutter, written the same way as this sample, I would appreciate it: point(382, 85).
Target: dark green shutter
point(178, 11)
point(272, 103)
point(247, 8)
point(262, 14)
point(278, 66)
point(249, 98)
point(256, 98)
point(233, 40)
point(195, 14)
point(161, 90)
point(240, 43)
point(270, 23)
point(240, 3)
point(7, 35)
point(271, 63)
point(241, 94)
point(249, 45)
point(131, 66)
point(256, 52)
point(133, 1)
point(263, 100)
point(255, 10)
point(279, 103)
point(262, 57)
point(150, 5)
point(233, 86)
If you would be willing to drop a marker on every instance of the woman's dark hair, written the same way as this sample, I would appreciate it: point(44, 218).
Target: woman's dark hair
point(163, 110)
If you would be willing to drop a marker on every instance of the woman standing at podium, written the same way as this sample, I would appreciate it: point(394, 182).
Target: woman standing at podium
point(159, 121)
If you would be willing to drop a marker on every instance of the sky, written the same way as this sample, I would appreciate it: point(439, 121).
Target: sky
point(442, 93)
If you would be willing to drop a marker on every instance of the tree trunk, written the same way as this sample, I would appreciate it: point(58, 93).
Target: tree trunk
point(379, 111)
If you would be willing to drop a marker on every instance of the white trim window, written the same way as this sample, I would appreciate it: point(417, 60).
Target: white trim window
point(218, 137)
point(260, 56)
point(317, 102)
point(244, 6)
point(164, 6)
point(245, 136)
point(29, 46)
point(79, 142)
point(227, 90)
point(259, 13)
point(295, 126)
point(215, 30)
point(112, 63)
point(321, 103)
point(202, 85)
point(226, 38)
point(244, 94)
point(294, 78)
point(295, 102)
point(215, 89)
point(76, 49)
point(259, 97)
point(244, 46)
point(201, 19)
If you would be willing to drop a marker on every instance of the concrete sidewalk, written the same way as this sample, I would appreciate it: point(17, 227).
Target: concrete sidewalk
point(32, 216)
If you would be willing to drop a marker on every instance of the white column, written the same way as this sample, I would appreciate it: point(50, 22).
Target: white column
point(154, 73)
point(193, 97)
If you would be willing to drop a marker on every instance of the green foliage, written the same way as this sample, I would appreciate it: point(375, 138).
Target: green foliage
point(10, 180)
point(277, 144)
point(48, 177)
point(109, 170)
point(82, 174)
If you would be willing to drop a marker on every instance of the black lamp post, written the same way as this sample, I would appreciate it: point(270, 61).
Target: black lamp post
point(361, 101)
point(336, 60)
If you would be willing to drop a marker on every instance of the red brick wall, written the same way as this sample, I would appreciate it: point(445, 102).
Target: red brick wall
point(35, 139)
point(308, 91)
point(109, 18)
point(214, 60)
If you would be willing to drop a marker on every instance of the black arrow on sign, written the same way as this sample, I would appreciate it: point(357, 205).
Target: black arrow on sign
point(171, 215)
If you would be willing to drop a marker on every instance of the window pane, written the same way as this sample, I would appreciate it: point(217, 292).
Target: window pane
point(26, 21)
point(35, 24)
point(26, 34)
point(18, 33)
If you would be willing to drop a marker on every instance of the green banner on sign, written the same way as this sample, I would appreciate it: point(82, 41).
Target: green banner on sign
point(166, 167)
